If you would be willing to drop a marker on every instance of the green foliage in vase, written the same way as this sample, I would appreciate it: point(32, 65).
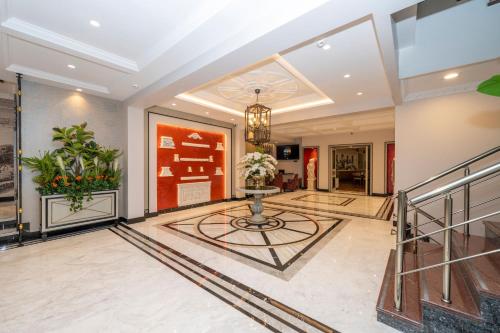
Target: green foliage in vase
point(76, 169)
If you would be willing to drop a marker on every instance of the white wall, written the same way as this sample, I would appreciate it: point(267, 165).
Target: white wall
point(455, 37)
point(435, 134)
point(377, 138)
point(46, 107)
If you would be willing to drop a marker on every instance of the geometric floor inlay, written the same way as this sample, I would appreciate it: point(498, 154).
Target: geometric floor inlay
point(286, 239)
point(373, 207)
point(336, 200)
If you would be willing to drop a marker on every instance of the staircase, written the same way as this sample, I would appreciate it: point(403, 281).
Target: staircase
point(447, 286)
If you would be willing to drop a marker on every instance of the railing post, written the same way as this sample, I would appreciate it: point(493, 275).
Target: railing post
point(448, 215)
point(466, 203)
point(415, 229)
point(400, 235)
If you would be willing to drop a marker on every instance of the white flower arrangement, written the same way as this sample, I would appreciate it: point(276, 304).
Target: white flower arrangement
point(257, 165)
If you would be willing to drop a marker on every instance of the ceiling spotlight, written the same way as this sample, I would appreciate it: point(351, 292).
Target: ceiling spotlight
point(207, 112)
point(70, 66)
point(78, 89)
point(323, 45)
point(94, 23)
point(135, 85)
point(450, 76)
point(346, 76)
point(232, 119)
point(173, 104)
point(359, 93)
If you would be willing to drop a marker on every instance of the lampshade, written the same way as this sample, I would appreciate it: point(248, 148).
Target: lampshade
point(257, 123)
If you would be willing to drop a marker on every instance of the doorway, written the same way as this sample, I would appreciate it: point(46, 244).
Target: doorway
point(350, 168)
point(310, 152)
point(390, 161)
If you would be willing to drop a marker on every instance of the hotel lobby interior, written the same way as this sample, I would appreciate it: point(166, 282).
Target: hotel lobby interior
point(250, 166)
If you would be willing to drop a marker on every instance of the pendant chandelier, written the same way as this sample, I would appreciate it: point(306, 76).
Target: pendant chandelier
point(257, 123)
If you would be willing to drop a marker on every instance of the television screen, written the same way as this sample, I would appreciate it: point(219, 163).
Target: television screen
point(288, 152)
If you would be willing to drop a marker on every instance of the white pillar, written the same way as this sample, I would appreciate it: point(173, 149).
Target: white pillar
point(134, 175)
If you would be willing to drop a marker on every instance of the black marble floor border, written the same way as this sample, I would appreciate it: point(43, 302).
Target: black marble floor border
point(244, 288)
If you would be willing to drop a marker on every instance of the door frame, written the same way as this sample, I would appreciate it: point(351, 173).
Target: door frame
point(385, 163)
point(304, 171)
point(350, 145)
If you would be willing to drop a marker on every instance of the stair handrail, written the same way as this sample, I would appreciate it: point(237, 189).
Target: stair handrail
point(454, 168)
point(456, 184)
point(447, 191)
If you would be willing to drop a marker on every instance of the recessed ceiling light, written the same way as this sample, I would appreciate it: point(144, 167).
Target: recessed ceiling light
point(346, 76)
point(450, 76)
point(359, 93)
point(326, 47)
point(70, 66)
point(135, 85)
point(78, 89)
point(94, 23)
point(173, 104)
point(207, 112)
point(232, 119)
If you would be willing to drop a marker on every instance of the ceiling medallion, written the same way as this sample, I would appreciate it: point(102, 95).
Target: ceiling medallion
point(257, 123)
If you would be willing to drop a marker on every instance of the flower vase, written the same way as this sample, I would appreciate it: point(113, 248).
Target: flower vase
point(259, 182)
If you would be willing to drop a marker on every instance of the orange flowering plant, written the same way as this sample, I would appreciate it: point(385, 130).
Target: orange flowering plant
point(76, 169)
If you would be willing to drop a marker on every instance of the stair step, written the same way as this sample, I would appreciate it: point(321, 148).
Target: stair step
point(463, 302)
point(492, 229)
point(482, 272)
point(409, 319)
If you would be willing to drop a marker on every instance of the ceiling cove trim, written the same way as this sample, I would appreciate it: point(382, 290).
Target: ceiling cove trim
point(36, 34)
point(446, 91)
point(203, 102)
point(35, 73)
point(325, 100)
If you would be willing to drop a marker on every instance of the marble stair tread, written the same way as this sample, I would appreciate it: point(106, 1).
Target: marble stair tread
point(484, 271)
point(411, 313)
point(463, 302)
point(492, 230)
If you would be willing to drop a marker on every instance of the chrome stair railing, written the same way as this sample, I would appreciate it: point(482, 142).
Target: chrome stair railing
point(446, 191)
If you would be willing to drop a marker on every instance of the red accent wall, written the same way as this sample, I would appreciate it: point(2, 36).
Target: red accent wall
point(308, 154)
point(391, 152)
point(167, 186)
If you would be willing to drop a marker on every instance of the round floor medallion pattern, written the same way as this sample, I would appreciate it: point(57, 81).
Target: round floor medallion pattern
point(284, 229)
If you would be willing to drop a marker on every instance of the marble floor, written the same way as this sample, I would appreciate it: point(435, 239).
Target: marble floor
point(347, 203)
point(198, 270)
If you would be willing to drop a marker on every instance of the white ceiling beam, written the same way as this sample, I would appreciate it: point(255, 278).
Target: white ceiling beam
point(61, 80)
point(47, 38)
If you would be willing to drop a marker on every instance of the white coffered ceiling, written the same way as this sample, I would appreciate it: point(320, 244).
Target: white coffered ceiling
point(348, 123)
point(147, 52)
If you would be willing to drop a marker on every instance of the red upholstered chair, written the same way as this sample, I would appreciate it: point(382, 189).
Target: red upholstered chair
point(294, 183)
point(277, 181)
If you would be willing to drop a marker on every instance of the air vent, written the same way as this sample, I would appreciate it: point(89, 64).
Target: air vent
point(493, 2)
point(429, 7)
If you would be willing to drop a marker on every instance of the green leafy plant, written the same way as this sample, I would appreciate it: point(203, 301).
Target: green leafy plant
point(76, 169)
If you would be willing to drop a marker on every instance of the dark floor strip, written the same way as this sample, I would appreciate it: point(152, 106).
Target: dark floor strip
point(314, 323)
point(208, 279)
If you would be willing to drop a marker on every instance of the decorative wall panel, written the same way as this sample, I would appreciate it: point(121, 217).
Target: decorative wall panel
point(184, 157)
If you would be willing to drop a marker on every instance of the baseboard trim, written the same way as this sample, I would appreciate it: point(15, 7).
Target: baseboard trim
point(379, 194)
point(133, 220)
point(322, 190)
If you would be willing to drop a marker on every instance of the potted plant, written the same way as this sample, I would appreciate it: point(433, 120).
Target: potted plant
point(78, 182)
point(255, 167)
